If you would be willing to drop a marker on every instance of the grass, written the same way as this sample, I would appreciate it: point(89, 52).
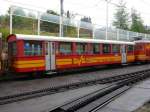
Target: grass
point(145, 108)
point(29, 31)
point(5, 32)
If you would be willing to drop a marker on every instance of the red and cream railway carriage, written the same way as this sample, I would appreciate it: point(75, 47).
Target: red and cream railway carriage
point(0, 53)
point(142, 51)
point(29, 53)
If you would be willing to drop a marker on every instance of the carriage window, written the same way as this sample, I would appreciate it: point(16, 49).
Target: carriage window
point(81, 48)
point(96, 49)
point(46, 48)
point(116, 48)
point(138, 47)
point(32, 48)
point(12, 48)
point(65, 48)
point(106, 48)
point(130, 48)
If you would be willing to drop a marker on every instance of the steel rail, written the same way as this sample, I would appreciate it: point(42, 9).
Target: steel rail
point(94, 101)
point(52, 90)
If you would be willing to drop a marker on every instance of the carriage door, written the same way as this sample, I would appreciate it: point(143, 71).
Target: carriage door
point(123, 54)
point(50, 55)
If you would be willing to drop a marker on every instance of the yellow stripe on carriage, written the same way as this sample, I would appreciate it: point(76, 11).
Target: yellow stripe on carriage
point(130, 58)
point(29, 62)
point(141, 57)
point(63, 61)
point(29, 65)
point(87, 60)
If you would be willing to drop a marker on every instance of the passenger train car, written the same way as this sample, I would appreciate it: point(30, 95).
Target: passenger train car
point(142, 51)
point(32, 53)
point(0, 52)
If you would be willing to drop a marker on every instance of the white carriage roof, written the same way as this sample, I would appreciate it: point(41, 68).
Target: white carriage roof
point(142, 41)
point(68, 39)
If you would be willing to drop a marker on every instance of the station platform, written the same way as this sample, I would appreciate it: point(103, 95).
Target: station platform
point(130, 101)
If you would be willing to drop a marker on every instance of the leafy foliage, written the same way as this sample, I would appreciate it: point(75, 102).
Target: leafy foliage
point(86, 19)
point(121, 17)
point(4, 26)
point(137, 22)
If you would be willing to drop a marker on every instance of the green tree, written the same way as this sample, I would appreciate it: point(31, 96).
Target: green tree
point(4, 20)
point(4, 25)
point(52, 12)
point(86, 19)
point(121, 16)
point(137, 22)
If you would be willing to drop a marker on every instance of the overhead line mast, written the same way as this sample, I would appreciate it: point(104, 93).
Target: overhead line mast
point(61, 19)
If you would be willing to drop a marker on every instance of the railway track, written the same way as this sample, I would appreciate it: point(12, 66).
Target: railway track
point(95, 101)
point(51, 90)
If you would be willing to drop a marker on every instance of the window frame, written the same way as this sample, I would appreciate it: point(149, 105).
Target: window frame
point(98, 46)
point(33, 49)
point(85, 48)
point(104, 49)
point(137, 46)
point(118, 50)
point(130, 51)
point(11, 48)
point(64, 53)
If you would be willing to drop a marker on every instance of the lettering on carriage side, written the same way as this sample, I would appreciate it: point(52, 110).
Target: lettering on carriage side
point(140, 56)
point(79, 60)
point(88, 60)
point(91, 60)
point(148, 46)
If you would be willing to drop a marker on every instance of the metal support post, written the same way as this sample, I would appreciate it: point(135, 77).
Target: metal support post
point(61, 19)
point(145, 36)
point(106, 20)
point(93, 32)
point(39, 23)
point(10, 23)
point(117, 34)
point(128, 36)
point(137, 34)
point(78, 28)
